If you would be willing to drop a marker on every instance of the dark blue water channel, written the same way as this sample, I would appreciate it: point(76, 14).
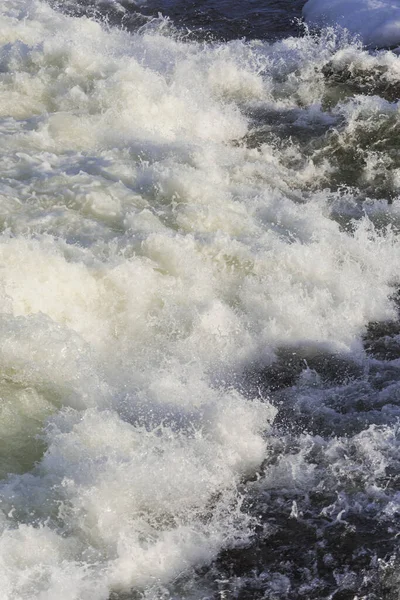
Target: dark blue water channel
point(216, 19)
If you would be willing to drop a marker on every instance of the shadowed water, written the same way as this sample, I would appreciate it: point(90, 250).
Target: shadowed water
point(204, 19)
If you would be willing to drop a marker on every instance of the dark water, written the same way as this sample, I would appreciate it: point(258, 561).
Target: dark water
point(228, 20)
point(206, 19)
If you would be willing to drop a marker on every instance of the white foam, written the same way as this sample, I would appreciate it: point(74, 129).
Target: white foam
point(147, 256)
point(376, 22)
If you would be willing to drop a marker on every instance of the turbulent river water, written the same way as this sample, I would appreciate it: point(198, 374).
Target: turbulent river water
point(199, 295)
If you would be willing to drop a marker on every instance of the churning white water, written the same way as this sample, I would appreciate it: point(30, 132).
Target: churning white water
point(175, 216)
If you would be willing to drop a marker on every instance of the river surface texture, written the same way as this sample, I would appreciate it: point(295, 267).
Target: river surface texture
point(199, 304)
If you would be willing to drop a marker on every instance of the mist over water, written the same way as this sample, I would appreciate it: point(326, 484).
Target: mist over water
point(199, 359)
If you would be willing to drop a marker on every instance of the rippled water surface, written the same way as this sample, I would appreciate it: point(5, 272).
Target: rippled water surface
point(204, 19)
point(199, 305)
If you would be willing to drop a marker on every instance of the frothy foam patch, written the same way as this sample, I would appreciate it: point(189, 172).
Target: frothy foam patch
point(137, 504)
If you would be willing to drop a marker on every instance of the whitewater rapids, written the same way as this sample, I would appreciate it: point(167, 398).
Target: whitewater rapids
point(175, 217)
